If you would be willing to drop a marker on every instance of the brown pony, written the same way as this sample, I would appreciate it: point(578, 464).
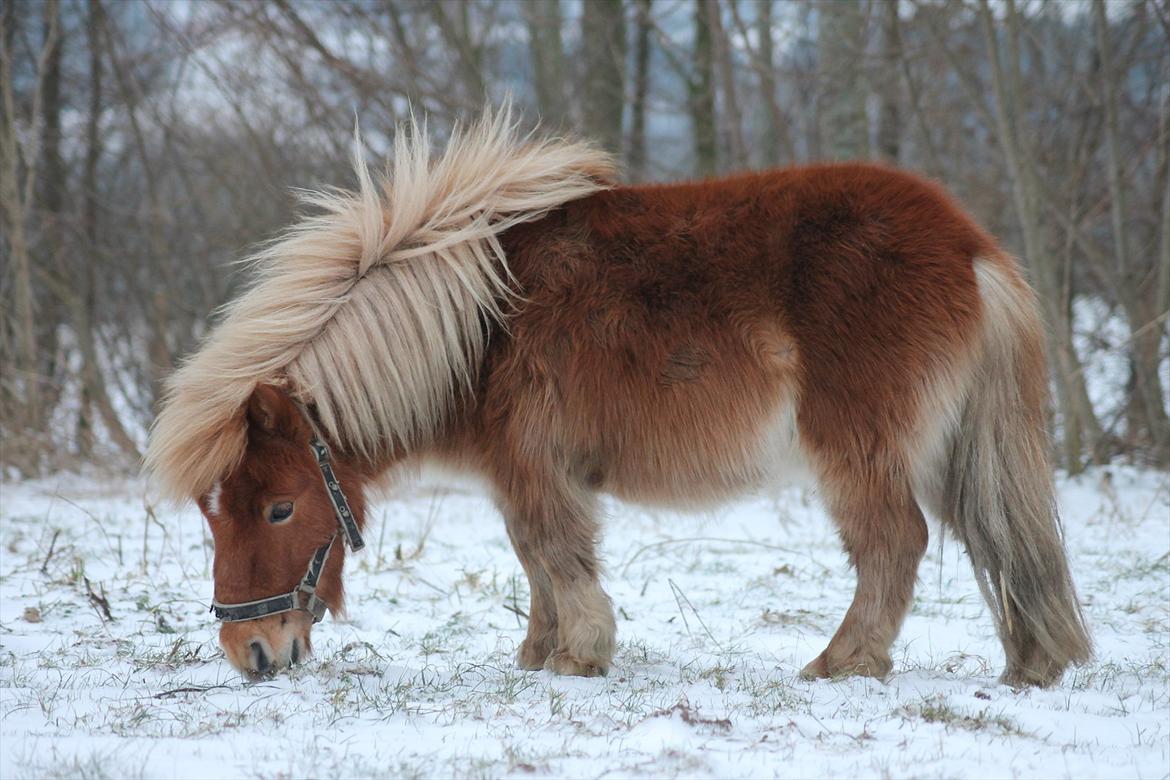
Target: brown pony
point(507, 310)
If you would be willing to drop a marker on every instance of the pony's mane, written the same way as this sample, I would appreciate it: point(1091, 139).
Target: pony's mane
point(375, 310)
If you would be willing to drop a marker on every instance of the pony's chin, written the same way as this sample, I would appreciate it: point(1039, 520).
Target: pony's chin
point(261, 648)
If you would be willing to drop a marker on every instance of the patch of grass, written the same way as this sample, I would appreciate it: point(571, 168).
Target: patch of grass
point(936, 709)
point(1157, 569)
point(635, 652)
point(718, 675)
point(94, 765)
point(796, 617)
point(770, 697)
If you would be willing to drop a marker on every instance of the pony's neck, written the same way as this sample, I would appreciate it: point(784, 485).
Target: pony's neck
point(451, 444)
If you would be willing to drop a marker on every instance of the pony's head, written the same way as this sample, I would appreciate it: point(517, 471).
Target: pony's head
point(269, 517)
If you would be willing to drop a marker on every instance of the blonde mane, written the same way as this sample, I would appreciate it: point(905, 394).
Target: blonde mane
point(375, 309)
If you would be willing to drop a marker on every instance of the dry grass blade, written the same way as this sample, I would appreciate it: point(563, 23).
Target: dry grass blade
point(100, 602)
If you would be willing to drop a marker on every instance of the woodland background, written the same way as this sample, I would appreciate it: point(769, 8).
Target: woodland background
point(145, 145)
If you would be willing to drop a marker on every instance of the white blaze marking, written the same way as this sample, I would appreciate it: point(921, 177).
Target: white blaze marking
point(213, 498)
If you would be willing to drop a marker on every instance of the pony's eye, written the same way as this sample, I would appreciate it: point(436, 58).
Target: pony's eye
point(280, 512)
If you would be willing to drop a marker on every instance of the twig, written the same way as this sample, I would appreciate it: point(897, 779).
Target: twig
point(679, 598)
point(52, 545)
point(151, 517)
point(101, 602)
point(638, 553)
point(187, 689)
point(515, 608)
point(92, 517)
point(1132, 338)
point(431, 585)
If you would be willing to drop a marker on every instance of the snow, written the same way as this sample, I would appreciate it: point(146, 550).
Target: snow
point(717, 613)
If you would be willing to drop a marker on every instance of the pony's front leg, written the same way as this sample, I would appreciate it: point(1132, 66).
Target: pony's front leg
point(554, 530)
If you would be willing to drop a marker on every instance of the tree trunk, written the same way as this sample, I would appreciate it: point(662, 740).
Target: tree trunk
point(889, 130)
point(1162, 294)
point(736, 155)
point(161, 357)
point(1082, 431)
point(23, 379)
point(1162, 297)
point(458, 38)
point(1148, 423)
point(547, 52)
point(844, 128)
point(52, 217)
point(53, 167)
point(774, 135)
point(89, 225)
point(701, 95)
point(603, 33)
point(637, 152)
point(94, 393)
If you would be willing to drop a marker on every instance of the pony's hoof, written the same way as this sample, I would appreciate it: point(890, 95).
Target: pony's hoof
point(1019, 677)
point(532, 656)
point(857, 665)
point(562, 663)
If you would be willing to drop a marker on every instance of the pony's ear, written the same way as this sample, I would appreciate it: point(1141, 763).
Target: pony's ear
point(271, 410)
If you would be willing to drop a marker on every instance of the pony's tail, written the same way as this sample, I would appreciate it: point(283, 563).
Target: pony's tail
point(999, 492)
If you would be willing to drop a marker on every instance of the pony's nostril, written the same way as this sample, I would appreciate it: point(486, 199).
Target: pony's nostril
point(296, 651)
point(260, 658)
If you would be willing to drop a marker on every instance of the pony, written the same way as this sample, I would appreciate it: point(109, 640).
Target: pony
point(505, 308)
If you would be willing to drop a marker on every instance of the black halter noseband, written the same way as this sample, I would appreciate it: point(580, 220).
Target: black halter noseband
point(304, 595)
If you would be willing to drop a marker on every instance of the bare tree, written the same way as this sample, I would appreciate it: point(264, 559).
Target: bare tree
point(603, 35)
point(775, 126)
point(843, 126)
point(701, 94)
point(546, 50)
point(736, 155)
point(637, 150)
point(18, 176)
point(454, 22)
point(94, 387)
point(889, 129)
point(1082, 431)
point(1139, 296)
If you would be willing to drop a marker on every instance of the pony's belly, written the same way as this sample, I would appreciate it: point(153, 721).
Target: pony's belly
point(711, 468)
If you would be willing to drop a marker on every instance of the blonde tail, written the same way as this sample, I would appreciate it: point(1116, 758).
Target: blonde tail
point(999, 494)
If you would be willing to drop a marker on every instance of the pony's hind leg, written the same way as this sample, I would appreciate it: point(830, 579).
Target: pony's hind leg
point(571, 628)
point(542, 608)
point(885, 535)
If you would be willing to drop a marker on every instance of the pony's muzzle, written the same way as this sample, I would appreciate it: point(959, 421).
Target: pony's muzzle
point(260, 648)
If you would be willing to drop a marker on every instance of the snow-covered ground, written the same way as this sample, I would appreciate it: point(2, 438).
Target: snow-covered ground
point(716, 615)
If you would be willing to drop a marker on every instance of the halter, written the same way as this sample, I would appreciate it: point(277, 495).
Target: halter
point(304, 595)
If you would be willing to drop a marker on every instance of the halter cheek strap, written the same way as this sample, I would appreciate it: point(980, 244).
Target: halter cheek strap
point(304, 595)
point(345, 518)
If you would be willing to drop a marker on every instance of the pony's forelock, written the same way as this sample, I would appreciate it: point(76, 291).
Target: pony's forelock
point(374, 310)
